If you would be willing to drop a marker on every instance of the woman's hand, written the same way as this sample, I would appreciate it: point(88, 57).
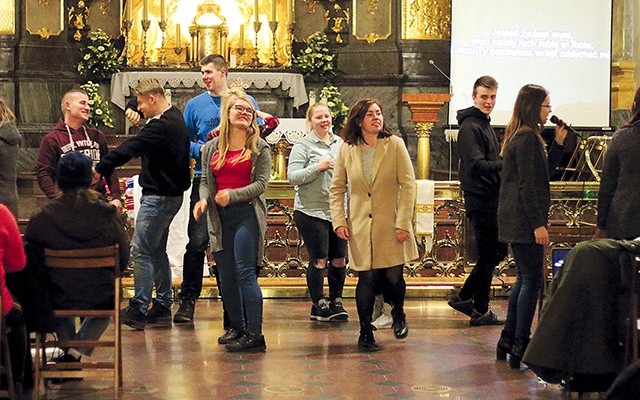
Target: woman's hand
point(402, 235)
point(561, 134)
point(541, 235)
point(200, 208)
point(325, 163)
point(223, 198)
point(343, 232)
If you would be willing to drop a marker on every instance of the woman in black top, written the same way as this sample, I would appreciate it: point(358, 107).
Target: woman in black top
point(523, 212)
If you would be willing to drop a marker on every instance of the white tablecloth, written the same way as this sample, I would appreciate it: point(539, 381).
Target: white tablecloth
point(123, 82)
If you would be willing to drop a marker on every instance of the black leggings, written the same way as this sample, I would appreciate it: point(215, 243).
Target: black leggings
point(322, 243)
point(394, 287)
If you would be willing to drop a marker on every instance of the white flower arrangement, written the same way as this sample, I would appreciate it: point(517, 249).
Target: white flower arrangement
point(316, 58)
point(100, 111)
point(331, 96)
point(99, 57)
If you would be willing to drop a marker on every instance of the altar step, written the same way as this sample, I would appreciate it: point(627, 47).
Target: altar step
point(296, 287)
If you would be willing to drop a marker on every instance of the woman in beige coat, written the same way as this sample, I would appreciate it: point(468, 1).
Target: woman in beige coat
point(374, 170)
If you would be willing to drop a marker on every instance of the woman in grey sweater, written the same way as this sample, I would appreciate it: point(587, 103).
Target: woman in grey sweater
point(10, 139)
point(523, 209)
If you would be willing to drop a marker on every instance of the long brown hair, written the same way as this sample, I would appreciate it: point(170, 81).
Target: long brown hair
point(352, 132)
point(229, 98)
point(526, 113)
point(6, 114)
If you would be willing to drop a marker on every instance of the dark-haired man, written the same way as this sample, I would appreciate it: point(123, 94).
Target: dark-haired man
point(479, 174)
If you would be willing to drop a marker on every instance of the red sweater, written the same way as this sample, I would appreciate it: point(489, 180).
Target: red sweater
point(12, 258)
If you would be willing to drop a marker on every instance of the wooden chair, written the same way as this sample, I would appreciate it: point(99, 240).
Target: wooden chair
point(103, 257)
point(5, 366)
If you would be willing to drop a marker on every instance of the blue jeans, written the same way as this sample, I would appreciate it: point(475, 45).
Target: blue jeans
point(90, 329)
point(529, 259)
point(192, 266)
point(237, 266)
point(149, 250)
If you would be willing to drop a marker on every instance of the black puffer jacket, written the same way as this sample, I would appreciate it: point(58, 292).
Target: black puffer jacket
point(75, 221)
point(479, 151)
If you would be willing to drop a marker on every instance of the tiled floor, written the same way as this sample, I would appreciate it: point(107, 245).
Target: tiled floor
point(443, 357)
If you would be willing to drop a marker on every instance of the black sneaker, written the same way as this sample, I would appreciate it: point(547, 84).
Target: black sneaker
point(133, 317)
point(249, 342)
point(488, 318)
point(185, 311)
point(400, 329)
point(338, 313)
point(159, 315)
point(464, 306)
point(321, 311)
point(229, 336)
point(66, 358)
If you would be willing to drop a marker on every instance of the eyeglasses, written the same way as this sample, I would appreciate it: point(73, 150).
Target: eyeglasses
point(244, 110)
point(546, 105)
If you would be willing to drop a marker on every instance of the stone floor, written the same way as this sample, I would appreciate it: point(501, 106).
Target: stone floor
point(443, 358)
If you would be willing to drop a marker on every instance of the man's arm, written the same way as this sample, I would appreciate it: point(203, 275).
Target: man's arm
point(46, 164)
point(470, 150)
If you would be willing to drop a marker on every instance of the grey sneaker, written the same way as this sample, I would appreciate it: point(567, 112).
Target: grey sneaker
point(185, 311)
point(464, 306)
point(488, 318)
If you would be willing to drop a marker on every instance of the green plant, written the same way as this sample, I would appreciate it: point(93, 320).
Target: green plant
point(100, 111)
point(99, 57)
point(331, 96)
point(316, 58)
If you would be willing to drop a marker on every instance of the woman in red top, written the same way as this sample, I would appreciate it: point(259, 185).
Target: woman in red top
point(232, 193)
point(13, 259)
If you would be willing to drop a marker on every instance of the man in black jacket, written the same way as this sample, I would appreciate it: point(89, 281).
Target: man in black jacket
point(479, 173)
point(163, 145)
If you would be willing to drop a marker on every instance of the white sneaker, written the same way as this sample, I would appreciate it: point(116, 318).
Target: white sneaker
point(384, 320)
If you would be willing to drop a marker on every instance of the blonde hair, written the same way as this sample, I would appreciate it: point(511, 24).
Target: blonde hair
point(149, 86)
point(67, 95)
point(5, 113)
point(312, 108)
point(229, 99)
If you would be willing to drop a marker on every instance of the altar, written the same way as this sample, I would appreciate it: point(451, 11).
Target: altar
point(276, 92)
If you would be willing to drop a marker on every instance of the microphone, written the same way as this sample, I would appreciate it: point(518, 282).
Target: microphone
point(439, 70)
point(554, 119)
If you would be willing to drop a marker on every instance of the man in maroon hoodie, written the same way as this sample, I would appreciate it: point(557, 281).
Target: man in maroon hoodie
point(70, 134)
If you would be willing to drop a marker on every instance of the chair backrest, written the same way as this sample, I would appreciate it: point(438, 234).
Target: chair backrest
point(98, 257)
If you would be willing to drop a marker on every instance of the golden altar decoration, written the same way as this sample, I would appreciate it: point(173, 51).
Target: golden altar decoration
point(46, 18)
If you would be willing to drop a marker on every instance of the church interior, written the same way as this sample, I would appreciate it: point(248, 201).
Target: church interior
point(289, 54)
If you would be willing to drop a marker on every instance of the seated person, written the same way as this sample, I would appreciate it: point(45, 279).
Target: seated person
point(580, 337)
point(78, 218)
point(12, 259)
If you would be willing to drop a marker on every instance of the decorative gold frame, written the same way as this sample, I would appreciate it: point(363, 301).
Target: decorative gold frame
point(426, 19)
point(8, 18)
point(369, 20)
point(44, 18)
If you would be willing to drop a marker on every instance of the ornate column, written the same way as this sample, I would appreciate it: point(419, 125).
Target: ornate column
point(622, 62)
point(424, 113)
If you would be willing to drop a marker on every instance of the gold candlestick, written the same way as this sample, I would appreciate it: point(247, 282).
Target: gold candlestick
point(178, 51)
point(145, 27)
point(273, 62)
point(163, 27)
point(127, 24)
point(255, 63)
point(240, 51)
point(291, 27)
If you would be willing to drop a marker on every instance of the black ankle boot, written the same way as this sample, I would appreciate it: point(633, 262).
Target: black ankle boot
point(517, 351)
point(366, 341)
point(504, 345)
